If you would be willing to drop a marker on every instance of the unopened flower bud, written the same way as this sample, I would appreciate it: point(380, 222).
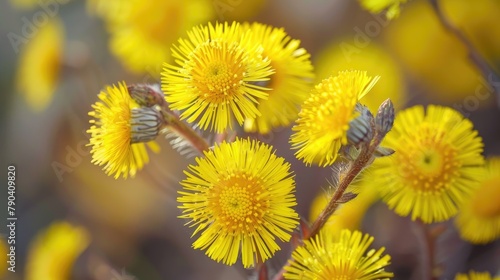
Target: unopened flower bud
point(360, 129)
point(145, 124)
point(385, 117)
point(146, 95)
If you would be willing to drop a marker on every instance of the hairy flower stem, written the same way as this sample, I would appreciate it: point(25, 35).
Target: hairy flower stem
point(362, 161)
point(185, 131)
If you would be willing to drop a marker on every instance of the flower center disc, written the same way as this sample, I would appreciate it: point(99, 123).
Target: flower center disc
point(219, 73)
point(239, 203)
point(429, 162)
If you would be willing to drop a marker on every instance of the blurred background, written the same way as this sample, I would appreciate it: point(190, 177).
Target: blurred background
point(56, 56)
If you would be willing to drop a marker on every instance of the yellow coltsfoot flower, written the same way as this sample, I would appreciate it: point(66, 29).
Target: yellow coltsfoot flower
point(323, 122)
point(338, 256)
point(141, 33)
point(436, 165)
point(53, 252)
point(39, 65)
point(240, 197)
point(373, 58)
point(290, 83)
point(216, 75)
point(120, 132)
point(478, 220)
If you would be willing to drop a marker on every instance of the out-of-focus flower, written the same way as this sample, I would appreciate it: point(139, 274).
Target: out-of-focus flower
point(142, 32)
point(54, 251)
point(120, 132)
point(479, 218)
point(324, 117)
point(373, 58)
point(436, 165)
point(377, 6)
point(350, 214)
point(4, 259)
point(215, 77)
point(436, 59)
point(290, 83)
point(338, 256)
point(39, 65)
point(240, 198)
point(473, 275)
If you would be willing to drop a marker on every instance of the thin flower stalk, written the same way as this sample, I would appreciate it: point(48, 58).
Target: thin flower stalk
point(474, 55)
point(362, 161)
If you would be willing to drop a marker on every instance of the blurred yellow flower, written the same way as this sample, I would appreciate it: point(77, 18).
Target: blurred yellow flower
point(349, 215)
point(436, 59)
point(215, 76)
point(290, 83)
point(4, 259)
point(54, 251)
point(436, 165)
point(338, 256)
point(478, 220)
point(324, 117)
point(116, 140)
point(373, 58)
point(142, 32)
point(472, 275)
point(377, 6)
point(39, 65)
point(239, 196)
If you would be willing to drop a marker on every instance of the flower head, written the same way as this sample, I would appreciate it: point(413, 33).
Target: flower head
point(54, 251)
point(290, 83)
point(324, 117)
point(216, 77)
point(376, 6)
point(437, 163)
point(119, 131)
point(373, 58)
point(342, 256)
point(142, 32)
point(472, 275)
point(239, 196)
point(482, 209)
point(39, 65)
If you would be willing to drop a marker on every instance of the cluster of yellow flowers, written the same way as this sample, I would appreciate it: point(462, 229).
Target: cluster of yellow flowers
point(240, 196)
